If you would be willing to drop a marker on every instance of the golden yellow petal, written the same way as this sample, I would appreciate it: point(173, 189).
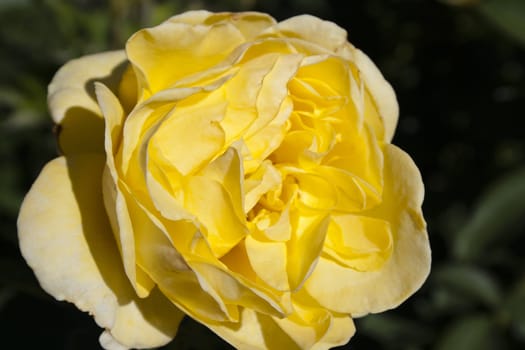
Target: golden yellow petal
point(66, 238)
point(349, 291)
point(72, 103)
point(309, 231)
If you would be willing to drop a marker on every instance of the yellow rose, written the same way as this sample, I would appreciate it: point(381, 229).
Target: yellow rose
point(233, 169)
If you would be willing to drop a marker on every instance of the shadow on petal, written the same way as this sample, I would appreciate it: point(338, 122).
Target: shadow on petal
point(147, 322)
point(112, 80)
point(81, 129)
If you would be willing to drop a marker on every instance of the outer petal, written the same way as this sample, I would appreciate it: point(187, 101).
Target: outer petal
point(317, 328)
point(66, 238)
point(249, 24)
point(312, 29)
point(254, 331)
point(382, 93)
point(114, 199)
point(258, 331)
point(190, 48)
point(72, 102)
point(349, 291)
point(192, 42)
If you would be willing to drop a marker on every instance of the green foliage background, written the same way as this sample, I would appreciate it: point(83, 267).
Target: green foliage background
point(458, 67)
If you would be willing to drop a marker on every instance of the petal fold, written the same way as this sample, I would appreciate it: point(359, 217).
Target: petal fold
point(72, 102)
point(66, 238)
point(358, 293)
point(382, 92)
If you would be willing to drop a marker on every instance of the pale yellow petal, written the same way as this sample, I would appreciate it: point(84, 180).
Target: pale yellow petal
point(221, 226)
point(249, 23)
point(359, 242)
point(173, 50)
point(349, 291)
point(308, 329)
point(268, 260)
point(264, 179)
point(72, 102)
point(191, 17)
point(157, 255)
point(113, 198)
point(66, 238)
point(254, 331)
point(235, 290)
point(382, 93)
point(339, 332)
point(146, 118)
point(194, 125)
point(312, 29)
point(313, 327)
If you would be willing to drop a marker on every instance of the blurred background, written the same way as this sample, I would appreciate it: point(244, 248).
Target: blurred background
point(458, 68)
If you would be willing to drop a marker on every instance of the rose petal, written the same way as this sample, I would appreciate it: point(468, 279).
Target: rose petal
point(268, 260)
point(194, 42)
point(258, 331)
point(348, 291)
point(72, 102)
point(114, 200)
point(237, 291)
point(166, 266)
point(254, 331)
point(309, 231)
point(313, 30)
point(359, 242)
point(249, 23)
point(196, 126)
point(382, 93)
point(221, 226)
point(66, 238)
point(174, 50)
point(315, 327)
point(264, 179)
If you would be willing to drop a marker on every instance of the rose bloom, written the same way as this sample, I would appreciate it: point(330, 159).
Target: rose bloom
point(233, 169)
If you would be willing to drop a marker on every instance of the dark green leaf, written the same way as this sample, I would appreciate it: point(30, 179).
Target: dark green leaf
point(506, 15)
point(474, 332)
point(391, 328)
point(514, 308)
point(498, 216)
point(476, 285)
